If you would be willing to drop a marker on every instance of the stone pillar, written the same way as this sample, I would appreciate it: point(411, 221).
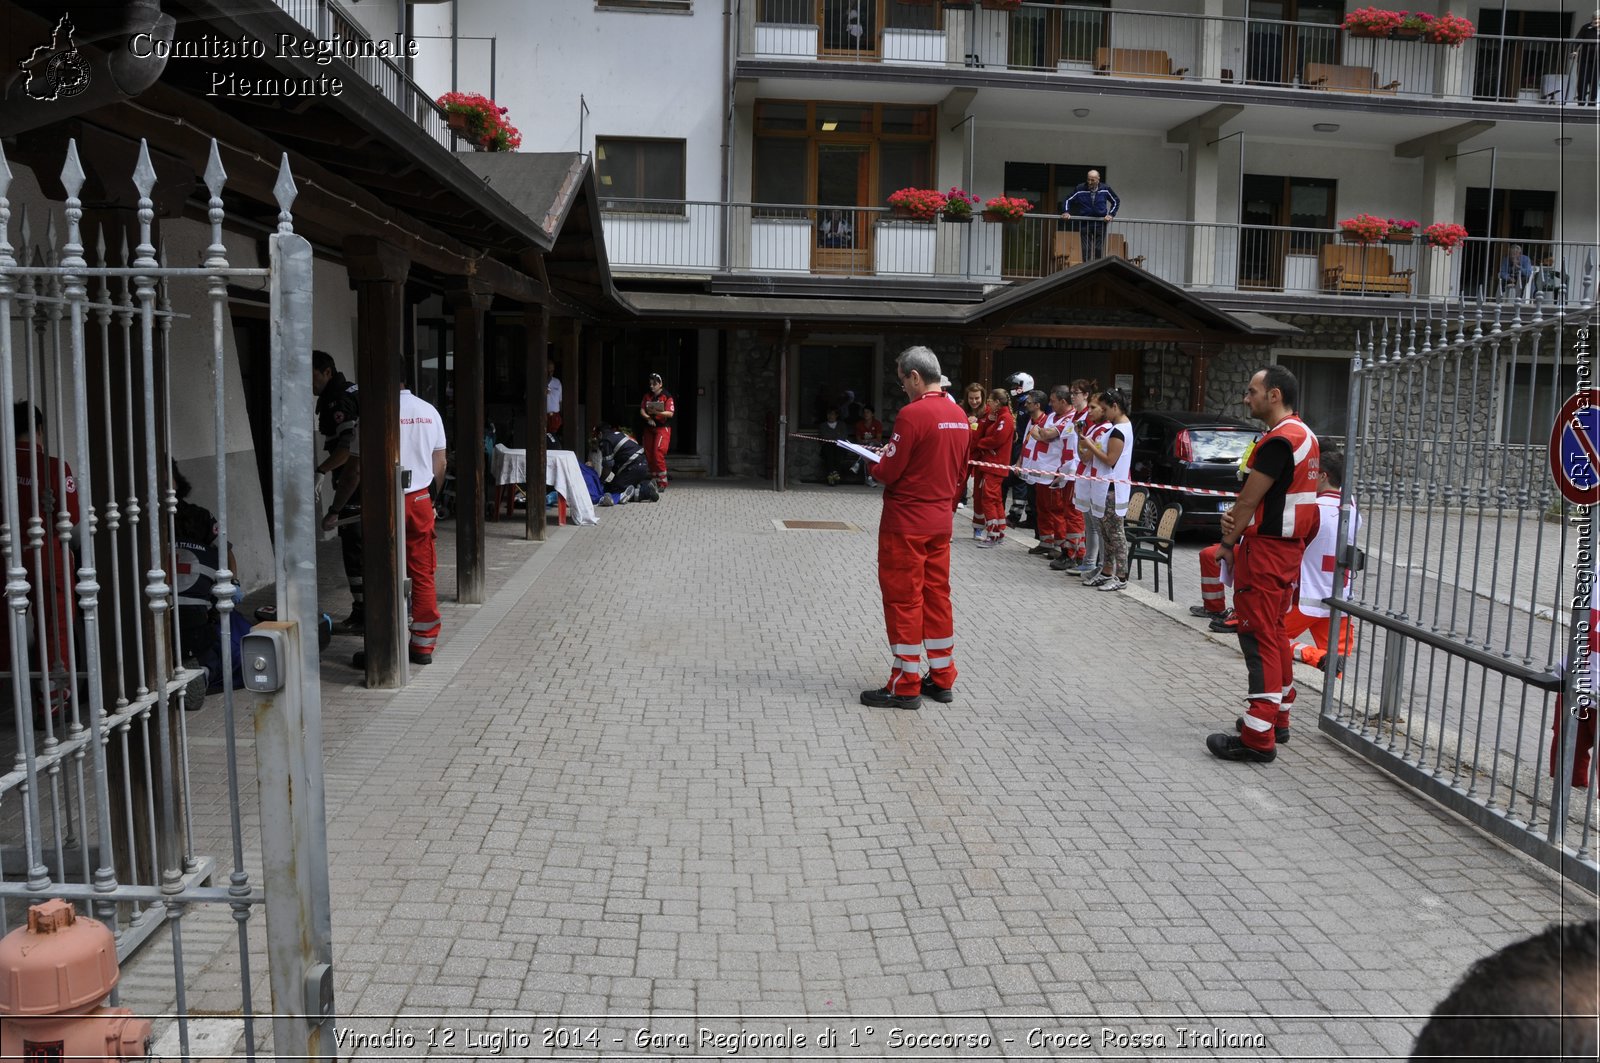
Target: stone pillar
point(470, 304)
point(378, 274)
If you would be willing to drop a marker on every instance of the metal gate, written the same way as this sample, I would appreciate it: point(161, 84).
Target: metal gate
point(1472, 573)
point(113, 798)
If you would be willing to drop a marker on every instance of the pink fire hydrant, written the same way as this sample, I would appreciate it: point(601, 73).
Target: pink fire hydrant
point(52, 974)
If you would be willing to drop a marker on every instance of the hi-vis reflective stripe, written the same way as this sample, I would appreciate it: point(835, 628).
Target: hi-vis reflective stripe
point(939, 644)
point(940, 662)
point(1276, 699)
point(419, 642)
point(1256, 724)
point(1291, 506)
point(906, 649)
point(903, 665)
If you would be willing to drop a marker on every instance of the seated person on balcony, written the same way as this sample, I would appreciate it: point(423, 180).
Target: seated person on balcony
point(1093, 204)
point(624, 469)
point(1515, 262)
point(836, 230)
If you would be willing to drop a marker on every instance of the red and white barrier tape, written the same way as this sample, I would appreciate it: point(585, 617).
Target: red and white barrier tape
point(1206, 491)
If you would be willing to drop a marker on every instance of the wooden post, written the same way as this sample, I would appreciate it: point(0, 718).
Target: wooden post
point(378, 274)
point(1199, 364)
point(593, 387)
point(567, 370)
point(470, 305)
point(537, 322)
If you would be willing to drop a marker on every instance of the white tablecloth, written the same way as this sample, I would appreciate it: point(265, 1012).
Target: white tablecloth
point(562, 474)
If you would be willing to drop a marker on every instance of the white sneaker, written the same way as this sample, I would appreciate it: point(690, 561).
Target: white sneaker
point(1112, 584)
point(1094, 579)
point(988, 544)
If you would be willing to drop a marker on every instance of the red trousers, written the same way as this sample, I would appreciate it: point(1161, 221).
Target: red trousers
point(914, 576)
point(421, 560)
point(1264, 575)
point(1296, 623)
point(1072, 524)
point(50, 582)
point(655, 452)
point(1581, 751)
point(992, 503)
point(1212, 594)
point(1051, 507)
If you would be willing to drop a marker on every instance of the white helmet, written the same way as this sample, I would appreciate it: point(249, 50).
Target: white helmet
point(1019, 383)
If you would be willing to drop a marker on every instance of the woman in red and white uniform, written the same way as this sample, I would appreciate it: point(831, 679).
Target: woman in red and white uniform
point(996, 430)
point(1052, 494)
point(1113, 458)
point(1308, 615)
point(658, 409)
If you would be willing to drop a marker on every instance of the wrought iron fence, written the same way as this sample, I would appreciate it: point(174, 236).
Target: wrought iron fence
point(110, 569)
point(1466, 597)
point(1096, 42)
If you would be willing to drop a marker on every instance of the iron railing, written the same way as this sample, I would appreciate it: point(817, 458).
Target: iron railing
point(327, 20)
point(1476, 576)
point(686, 236)
point(1162, 46)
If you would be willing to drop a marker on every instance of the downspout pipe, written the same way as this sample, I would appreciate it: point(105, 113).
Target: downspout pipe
point(116, 70)
point(728, 30)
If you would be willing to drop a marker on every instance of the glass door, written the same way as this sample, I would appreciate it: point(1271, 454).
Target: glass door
point(1272, 206)
point(842, 230)
point(1285, 35)
point(849, 28)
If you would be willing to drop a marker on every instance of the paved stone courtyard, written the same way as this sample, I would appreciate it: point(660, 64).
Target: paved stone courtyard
point(636, 793)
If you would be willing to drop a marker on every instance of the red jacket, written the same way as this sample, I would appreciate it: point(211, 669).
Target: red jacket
point(995, 434)
point(924, 467)
point(869, 431)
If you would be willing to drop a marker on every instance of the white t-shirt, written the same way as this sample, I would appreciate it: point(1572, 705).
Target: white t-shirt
point(1123, 469)
point(1090, 494)
point(421, 433)
point(552, 395)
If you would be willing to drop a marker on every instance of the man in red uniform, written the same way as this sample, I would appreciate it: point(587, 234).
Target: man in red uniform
point(657, 409)
point(922, 471)
point(1264, 536)
point(45, 488)
point(996, 431)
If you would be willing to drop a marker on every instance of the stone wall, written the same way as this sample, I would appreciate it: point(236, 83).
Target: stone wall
point(752, 390)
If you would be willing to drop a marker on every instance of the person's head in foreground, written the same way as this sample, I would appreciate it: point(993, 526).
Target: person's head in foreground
point(1535, 999)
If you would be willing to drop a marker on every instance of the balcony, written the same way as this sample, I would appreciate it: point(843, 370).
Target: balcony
point(697, 238)
point(326, 20)
point(1152, 48)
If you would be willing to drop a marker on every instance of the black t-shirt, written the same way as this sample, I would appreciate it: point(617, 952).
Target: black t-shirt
point(1274, 458)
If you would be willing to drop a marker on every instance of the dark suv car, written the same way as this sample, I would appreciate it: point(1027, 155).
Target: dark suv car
point(1191, 450)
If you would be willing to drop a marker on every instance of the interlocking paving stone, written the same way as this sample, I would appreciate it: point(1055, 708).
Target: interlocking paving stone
point(638, 779)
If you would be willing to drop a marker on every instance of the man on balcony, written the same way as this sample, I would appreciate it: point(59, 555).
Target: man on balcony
point(1093, 204)
point(1516, 269)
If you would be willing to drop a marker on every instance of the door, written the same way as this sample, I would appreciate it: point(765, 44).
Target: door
point(1041, 37)
point(848, 28)
point(1523, 215)
point(1273, 205)
point(841, 231)
point(1026, 249)
point(1285, 35)
point(1531, 49)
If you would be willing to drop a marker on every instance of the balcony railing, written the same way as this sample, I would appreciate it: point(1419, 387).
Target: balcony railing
point(700, 237)
point(326, 20)
point(1163, 46)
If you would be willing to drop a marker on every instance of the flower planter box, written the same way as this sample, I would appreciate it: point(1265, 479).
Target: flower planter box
point(1407, 35)
point(1003, 219)
point(1377, 35)
point(956, 219)
point(1398, 238)
point(1355, 238)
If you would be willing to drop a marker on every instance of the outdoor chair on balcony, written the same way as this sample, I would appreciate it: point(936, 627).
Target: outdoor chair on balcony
point(1359, 268)
point(1137, 63)
point(1066, 250)
point(1117, 244)
point(1333, 78)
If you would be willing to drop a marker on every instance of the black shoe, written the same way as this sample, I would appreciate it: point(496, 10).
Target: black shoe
point(1281, 733)
point(1225, 623)
point(354, 624)
point(1200, 610)
point(1232, 747)
point(1040, 549)
point(943, 695)
point(1063, 564)
point(358, 660)
point(194, 692)
point(887, 699)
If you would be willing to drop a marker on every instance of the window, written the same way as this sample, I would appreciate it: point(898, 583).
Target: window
point(640, 176)
point(1528, 411)
point(1324, 392)
point(840, 154)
